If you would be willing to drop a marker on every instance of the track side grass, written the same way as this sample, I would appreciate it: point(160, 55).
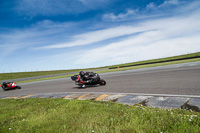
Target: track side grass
point(61, 115)
point(149, 65)
point(192, 55)
point(16, 75)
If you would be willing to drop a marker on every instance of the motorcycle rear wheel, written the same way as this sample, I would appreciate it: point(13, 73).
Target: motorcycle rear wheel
point(4, 88)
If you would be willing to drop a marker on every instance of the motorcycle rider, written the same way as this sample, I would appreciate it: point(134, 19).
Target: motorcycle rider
point(89, 77)
point(5, 84)
point(9, 85)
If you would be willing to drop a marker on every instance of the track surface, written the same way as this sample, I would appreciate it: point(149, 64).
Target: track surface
point(172, 80)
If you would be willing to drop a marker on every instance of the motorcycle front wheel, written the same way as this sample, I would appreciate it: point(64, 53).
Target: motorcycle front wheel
point(102, 82)
point(18, 87)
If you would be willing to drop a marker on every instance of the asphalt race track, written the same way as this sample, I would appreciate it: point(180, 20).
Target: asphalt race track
point(165, 80)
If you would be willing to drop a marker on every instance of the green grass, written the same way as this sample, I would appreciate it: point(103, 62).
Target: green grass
point(6, 76)
point(74, 116)
point(9, 76)
point(149, 65)
point(49, 78)
point(161, 59)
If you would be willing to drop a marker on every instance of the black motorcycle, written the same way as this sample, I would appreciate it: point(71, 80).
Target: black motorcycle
point(84, 84)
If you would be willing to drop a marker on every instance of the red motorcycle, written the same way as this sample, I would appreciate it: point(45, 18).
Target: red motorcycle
point(9, 86)
point(83, 84)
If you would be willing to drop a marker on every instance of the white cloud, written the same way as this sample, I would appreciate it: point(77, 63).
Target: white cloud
point(168, 37)
point(124, 30)
point(132, 14)
point(166, 3)
point(146, 39)
point(169, 2)
point(151, 6)
point(101, 35)
point(121, 16)
point(96, 36)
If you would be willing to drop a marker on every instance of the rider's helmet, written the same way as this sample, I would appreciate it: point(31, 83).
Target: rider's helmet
point(4, 84)
point(81, 73)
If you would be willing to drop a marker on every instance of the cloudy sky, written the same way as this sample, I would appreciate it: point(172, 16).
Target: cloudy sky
point(69, 34)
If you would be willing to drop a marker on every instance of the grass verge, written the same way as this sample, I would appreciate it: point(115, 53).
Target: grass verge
point(49, 78)
point(61, 115)
point(16, 75)
point(169, 59)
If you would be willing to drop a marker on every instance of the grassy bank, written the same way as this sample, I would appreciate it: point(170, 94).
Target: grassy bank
point(149, 65)
point(6, 76)
point(161, 59)
point(61, 115)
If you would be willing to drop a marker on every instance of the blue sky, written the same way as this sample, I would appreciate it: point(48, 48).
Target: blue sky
point(37, 35)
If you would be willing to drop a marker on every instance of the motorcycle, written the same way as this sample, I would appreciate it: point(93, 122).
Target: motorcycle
point(9, 86)
point(83, 84)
